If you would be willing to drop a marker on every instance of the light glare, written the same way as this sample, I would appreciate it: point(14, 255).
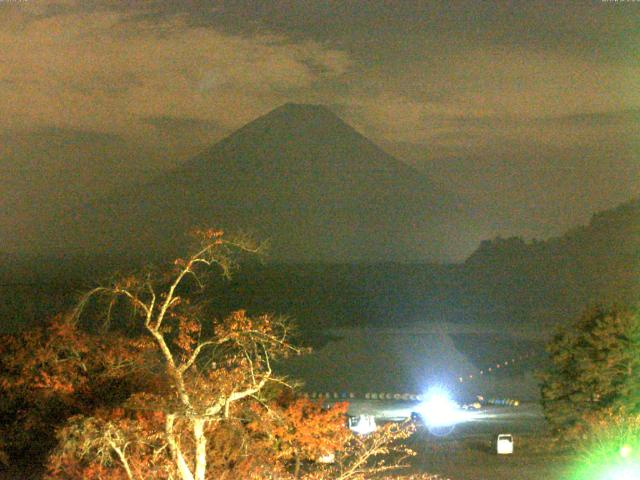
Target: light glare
point(438, 410)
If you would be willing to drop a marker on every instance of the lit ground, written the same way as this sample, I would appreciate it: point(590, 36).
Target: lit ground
point(466, 453)
point(474, 459)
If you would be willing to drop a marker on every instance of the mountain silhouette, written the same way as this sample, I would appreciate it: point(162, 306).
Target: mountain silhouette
point(300, 178)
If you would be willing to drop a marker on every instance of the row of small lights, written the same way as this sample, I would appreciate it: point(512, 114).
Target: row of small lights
point(396, 396)
point(412, 396)
point(499, 365)
point(367, 396)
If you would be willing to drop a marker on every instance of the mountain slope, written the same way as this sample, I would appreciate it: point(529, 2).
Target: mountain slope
point(557, 278)
point(298, 176)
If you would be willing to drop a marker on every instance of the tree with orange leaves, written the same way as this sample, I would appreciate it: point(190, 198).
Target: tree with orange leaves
point(167, 393)
point(53, 372)
point(300, 430)
point(206, 371)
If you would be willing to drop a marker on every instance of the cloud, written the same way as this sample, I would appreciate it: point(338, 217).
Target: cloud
point(471, 98)
point(389, 116)
point(598, 119)
point(50, 169)
point(103, 70)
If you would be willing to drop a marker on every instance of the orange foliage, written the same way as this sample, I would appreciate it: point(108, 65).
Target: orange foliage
point(181, 398)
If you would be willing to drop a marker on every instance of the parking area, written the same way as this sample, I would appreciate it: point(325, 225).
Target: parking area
point(475, 458)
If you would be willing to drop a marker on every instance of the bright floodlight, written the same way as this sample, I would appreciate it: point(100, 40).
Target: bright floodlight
point(438, 410)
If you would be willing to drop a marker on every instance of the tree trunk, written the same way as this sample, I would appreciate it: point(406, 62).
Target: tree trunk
point(176, 453)
point(296, 469)
point(201, 448)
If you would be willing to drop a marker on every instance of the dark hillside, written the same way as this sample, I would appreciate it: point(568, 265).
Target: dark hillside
point(599, 262)
point(505, 282)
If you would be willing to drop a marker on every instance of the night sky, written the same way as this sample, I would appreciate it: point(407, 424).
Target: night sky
point(528, 110)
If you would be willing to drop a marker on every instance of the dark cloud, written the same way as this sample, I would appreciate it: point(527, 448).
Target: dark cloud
point(57, 136)
point(535, 178)
point(629, 117)
point(50, 170)
point(184, 134)
point(167, 122)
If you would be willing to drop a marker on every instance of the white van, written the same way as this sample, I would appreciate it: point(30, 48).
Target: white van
point(504, 444)
point(363, 424)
